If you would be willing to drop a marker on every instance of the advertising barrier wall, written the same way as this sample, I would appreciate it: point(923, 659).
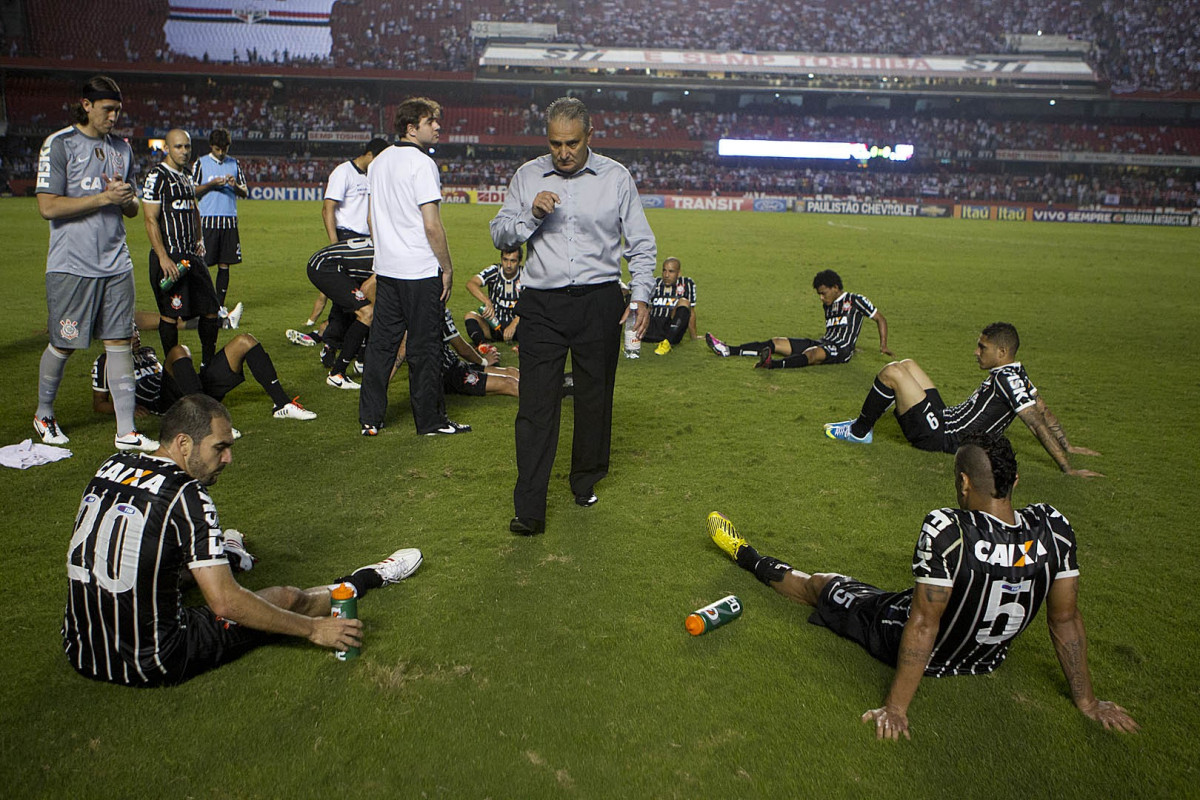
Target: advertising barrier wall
point(971, 212)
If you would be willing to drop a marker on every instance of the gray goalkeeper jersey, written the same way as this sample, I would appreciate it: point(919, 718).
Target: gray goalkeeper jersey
point(74, 165)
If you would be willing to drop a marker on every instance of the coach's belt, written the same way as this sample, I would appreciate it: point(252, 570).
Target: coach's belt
point(580, 290)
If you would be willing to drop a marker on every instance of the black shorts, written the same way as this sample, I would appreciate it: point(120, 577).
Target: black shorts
point(193, 295)
point(216, 379)
point(924, 426)
point(338, 287)
point(222, 245)
point(864, 614)
point(464, 378)
point(834, 354)
point(210, 642)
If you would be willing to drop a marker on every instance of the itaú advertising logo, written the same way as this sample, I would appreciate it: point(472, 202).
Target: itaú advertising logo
point(829, 151)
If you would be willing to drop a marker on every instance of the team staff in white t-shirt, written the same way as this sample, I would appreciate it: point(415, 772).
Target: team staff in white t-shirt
point(413, 273)
point(344, 210)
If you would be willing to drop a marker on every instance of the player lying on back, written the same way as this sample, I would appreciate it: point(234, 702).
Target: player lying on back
point(1005, 394)
point(982, 572)
point(158, 389)
point(844, 315)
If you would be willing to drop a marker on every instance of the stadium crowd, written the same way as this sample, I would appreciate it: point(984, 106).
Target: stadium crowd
point(291, 112)
point(1138, 47)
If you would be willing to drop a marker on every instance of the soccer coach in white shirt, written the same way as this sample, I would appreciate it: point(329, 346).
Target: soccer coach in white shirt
point(413, 273)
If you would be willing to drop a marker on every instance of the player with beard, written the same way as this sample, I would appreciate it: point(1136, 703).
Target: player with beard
point(146, 522)
point(497, 288)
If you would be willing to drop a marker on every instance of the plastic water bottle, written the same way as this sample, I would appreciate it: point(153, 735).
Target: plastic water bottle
point(633, 342)
point(495, 323)
point(344, 604)
point(167, 282)
point(714, 615)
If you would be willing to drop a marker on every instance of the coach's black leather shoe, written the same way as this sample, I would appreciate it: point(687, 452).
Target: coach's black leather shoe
point(586, 500)
point(526, 526)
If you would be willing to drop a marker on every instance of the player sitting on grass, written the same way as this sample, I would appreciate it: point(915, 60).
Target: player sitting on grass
point(157, 390)
point(497, 288)
point(844, 315)
point(145, 522)
point(982, 571)
point(672, 308)
point(929, 425)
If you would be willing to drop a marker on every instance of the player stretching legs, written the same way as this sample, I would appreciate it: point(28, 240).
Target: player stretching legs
point(982, 571)
point(928, 424)
point(845, 313)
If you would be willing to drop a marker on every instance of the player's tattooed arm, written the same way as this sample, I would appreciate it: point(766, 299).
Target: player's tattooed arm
point(1056, 429)
point(916, 646)
point(1070, 645)
point(1037, 422)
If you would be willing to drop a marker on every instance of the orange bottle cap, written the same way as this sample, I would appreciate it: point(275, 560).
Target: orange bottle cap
point(342, 592)
point(694, 624)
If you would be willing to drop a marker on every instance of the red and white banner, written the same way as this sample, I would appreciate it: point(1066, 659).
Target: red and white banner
point(227, 30)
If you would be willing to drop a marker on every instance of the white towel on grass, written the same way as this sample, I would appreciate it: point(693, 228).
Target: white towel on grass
point(27, 454)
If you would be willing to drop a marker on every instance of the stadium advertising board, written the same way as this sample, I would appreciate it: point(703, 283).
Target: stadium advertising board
point(339, 136)
point(1168, 219)
point(1081, 157)
point(989, 67)
point(872, 208)
point(968, 211)
point(283, 191)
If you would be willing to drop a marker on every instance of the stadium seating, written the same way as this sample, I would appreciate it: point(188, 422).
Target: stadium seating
point(1138, 46)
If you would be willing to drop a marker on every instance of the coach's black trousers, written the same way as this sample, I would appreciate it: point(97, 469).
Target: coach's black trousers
point(414, 306)
point(586, 322)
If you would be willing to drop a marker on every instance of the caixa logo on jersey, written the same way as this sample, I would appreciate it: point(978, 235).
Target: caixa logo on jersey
point(653, 201)
point(774, 204)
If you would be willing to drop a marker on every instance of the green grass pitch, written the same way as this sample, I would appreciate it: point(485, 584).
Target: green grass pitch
point(558, 666)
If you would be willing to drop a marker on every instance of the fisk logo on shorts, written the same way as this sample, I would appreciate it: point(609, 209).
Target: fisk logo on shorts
point(68, 329)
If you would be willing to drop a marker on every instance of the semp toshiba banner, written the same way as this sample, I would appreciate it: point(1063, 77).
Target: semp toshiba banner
point(495, 196)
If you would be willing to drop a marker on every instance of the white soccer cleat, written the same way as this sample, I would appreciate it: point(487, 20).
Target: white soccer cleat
point(135, 441)
point(299, 337)
point(716, 345)
point(235, 317)
point(47, 428)
point(398, 566)
point(240, 559)
point(340, 381)
point(236, 433)
point(294, 410)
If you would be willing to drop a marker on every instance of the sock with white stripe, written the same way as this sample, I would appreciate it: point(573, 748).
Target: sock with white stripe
point(121, 385)
point(50, 374)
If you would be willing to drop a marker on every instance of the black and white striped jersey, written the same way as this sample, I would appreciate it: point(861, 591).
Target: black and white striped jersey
point(142, 523)
point(664, 298)
point(998, 575)
point(503, 292)
point(353, 257)
point(844, 319)
point(1006, 391)
point(147, 376)
point(179, 219)
point(450, 332)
